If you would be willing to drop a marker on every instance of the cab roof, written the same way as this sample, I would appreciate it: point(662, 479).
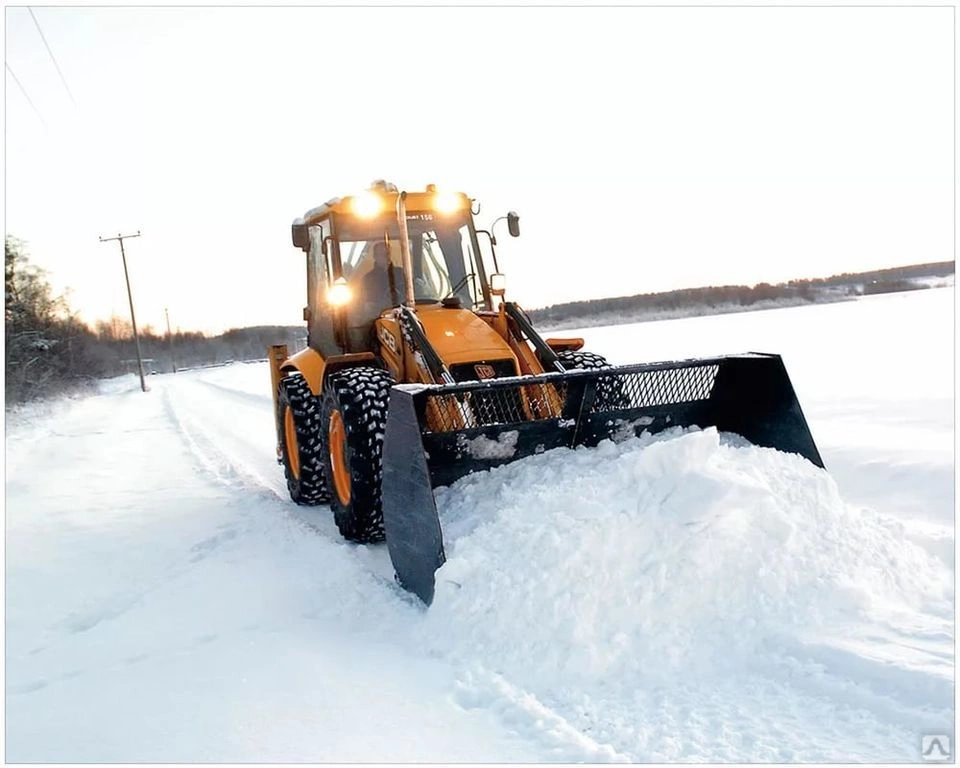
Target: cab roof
point(418, 201)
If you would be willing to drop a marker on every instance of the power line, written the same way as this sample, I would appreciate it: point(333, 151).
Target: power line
point(24, 92)
point(52, 57)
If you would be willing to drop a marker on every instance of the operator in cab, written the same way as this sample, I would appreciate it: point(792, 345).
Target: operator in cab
point(382, 286)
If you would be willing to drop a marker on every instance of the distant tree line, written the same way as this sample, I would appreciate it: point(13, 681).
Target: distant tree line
point(49, 351)
point(705, 300)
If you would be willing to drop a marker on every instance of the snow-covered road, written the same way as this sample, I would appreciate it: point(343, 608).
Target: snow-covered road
point(678, 598)
point(165, 606)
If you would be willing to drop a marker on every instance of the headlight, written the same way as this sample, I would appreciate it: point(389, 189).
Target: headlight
point(498, 284)
point(339, 293)
point(447, 202)
point(367, 204)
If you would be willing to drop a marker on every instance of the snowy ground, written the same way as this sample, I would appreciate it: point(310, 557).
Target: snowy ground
point(684, 597)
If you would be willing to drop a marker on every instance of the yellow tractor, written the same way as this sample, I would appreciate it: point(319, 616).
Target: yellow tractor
point(418, 371)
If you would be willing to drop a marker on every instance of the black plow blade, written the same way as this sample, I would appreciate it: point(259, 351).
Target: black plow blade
point(436, 434)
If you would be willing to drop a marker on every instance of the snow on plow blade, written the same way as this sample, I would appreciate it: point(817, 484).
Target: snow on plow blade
point(436, 434)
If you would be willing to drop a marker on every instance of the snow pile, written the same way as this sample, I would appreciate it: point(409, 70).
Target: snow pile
point(480, 447)
point(684, 551)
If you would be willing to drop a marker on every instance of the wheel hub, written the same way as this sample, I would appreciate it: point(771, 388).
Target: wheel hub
point(290, 435)
point(338, 458)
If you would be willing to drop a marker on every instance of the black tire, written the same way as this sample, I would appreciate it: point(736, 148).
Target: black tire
point(610, 394)
point(358, 397)
point(305, 473)
point(570, 359)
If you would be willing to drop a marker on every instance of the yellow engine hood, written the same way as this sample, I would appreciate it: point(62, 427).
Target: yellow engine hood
point(459, 336)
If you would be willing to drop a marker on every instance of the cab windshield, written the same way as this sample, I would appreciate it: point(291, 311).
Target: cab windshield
point(442, 252)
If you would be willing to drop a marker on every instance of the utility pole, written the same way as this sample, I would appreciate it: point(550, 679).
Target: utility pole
point(133, 319)
point(173, 359)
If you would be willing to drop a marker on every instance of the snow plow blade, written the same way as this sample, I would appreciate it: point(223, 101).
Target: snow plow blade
point(437, 434)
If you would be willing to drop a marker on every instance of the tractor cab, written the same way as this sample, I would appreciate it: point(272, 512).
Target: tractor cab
point(355, 262)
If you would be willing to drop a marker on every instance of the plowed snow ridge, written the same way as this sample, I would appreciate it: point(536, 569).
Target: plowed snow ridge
point(687, 561)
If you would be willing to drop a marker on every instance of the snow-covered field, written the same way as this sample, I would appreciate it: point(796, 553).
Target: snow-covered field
point(676, 598)
point(825, 295)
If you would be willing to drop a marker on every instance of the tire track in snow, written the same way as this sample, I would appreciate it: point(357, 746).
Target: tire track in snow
point(249, 398)
point(524, 713)
point(232, 458)
point(223, 465)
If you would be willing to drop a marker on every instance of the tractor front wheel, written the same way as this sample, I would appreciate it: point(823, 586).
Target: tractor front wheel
point(610, 394)
point(575, 359)
point(353, 422)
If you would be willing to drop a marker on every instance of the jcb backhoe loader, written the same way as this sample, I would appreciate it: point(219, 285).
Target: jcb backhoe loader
point(413, 378)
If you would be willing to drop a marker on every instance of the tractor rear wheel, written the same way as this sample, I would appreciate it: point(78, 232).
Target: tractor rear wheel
point(354, 419)
point(298, 414)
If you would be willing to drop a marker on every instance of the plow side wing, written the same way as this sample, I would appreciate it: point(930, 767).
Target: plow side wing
point(437, 434)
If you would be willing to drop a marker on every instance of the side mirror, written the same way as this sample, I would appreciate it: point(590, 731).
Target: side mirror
point(300, 233)
point(513, 223)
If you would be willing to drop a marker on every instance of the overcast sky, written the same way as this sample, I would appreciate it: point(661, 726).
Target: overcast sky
point(645, 148)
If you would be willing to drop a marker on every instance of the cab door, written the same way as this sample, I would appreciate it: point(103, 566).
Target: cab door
point(321, 331)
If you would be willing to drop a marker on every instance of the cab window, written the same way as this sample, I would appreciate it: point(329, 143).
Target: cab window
point(441, 251)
